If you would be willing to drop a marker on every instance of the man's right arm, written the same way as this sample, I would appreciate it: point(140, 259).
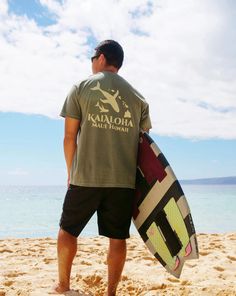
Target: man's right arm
point(70, 142)
point(145, 122)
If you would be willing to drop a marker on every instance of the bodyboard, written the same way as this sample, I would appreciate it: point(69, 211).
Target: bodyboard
point(161, 213)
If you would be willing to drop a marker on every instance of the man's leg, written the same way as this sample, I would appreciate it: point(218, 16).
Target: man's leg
point(115, 260)
point(66, 251)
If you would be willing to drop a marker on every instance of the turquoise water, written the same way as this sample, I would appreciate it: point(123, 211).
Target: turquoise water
point(213, 207)
point(34, 211)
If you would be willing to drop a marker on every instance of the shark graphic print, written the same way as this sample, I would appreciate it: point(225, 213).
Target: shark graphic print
point(112, 111)
point(109, 98)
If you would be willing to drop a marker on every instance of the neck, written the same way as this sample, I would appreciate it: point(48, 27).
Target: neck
point(110, 69)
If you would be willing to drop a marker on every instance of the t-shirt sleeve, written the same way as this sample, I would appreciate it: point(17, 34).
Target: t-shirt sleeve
point(71, 107)
point(145, 122)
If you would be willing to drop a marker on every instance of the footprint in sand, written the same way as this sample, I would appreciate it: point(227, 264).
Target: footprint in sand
point(173, 280)
point(161, 287)
point(218, 268)
point(48, 260)
point(85, 263)
point(92, 280)
point(185, 283)
point(148, 258)
point(204, 289)
point(219, 247)
point(13, 274)
point(216, 240)
point(124, 278)
point(131, 247)
point(8, 283)
point(32, 250)
point(204, 253)
point(231, 258)
point(6, 251)
point(221, 276)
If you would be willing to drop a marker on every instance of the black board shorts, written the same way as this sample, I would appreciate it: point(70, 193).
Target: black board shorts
point(114, 208)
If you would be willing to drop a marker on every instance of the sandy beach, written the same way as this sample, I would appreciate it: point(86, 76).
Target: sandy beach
point(29, 267)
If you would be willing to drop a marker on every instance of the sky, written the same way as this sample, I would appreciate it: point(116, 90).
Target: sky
point(181, 55)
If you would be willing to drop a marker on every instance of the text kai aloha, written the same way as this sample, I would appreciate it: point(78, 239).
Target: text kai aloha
point(110, 122)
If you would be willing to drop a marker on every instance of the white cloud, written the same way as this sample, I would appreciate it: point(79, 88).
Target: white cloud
point(3, 7)
point(181, 56)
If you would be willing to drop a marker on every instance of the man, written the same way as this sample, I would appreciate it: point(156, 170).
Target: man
point(103, 117)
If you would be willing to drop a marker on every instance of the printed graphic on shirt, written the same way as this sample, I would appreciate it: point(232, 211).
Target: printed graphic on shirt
point(111, 101)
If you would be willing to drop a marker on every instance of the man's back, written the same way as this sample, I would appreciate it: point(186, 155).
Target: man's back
point(111, 113)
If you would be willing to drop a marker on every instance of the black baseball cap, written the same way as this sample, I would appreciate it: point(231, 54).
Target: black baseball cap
point(112, 51)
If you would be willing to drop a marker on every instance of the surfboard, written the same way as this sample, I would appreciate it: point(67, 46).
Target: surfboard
point(161, 213)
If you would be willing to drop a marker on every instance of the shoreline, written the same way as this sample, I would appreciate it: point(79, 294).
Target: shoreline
point(29, 267)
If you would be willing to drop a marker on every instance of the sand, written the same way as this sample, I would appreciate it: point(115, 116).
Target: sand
point(29, 267)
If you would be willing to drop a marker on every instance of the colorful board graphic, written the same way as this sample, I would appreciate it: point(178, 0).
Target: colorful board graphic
point(161, 213)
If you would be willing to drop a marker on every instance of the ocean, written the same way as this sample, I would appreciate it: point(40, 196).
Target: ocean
point(34, 211)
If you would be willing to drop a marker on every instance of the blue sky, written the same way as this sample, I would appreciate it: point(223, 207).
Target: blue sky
point(182, 58)
point(32, 10)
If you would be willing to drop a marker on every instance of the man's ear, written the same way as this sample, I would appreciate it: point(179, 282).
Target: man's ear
point(102, 59)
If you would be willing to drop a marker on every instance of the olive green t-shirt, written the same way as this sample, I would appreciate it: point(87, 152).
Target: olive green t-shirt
point(111, 114)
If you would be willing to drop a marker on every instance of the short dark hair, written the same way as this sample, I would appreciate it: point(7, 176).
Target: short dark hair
point(112, 51)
